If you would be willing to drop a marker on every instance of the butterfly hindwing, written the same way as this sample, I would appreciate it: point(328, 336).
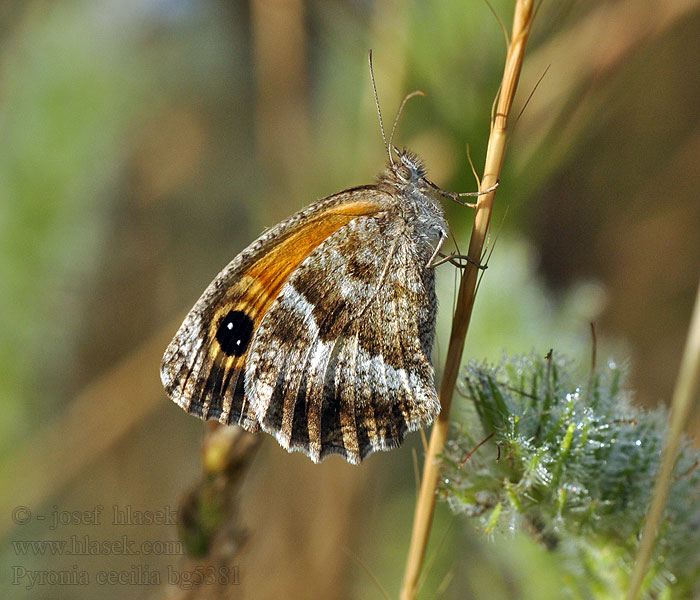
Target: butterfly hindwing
point(340, 362)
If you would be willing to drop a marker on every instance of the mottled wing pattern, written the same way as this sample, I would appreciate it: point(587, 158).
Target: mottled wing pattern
point(203, 367)
point(341, 361)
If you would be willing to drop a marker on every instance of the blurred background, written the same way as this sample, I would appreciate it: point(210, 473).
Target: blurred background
point(143, 143)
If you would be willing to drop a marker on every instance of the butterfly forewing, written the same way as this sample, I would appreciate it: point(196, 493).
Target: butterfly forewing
point(203, 367)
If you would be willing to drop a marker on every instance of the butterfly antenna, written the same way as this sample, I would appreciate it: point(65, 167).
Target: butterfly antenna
point(400, 111)
point(379, 110)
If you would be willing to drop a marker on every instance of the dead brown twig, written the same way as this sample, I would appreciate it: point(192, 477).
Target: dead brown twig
point(522, 22)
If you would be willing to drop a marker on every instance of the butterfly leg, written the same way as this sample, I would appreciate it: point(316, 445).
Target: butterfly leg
point(436, 253)
point(455, 196)
point(457, 261)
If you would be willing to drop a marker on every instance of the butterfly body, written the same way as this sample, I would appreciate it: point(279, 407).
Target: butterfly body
point(320, 332)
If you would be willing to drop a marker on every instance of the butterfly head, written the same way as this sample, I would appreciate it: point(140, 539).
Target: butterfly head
point(406, 171)
point(409, 169)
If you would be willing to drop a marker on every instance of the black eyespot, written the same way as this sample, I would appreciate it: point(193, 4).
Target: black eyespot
point(234, 333)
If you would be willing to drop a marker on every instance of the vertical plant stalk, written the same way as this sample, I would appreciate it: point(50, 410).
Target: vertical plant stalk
point(425, 507)
point(282, 105)
point(683, 396)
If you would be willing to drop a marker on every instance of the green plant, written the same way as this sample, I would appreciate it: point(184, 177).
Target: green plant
point(570, 460)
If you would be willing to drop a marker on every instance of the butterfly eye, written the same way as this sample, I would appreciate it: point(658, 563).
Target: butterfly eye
point(234, 333)
point(404, 172)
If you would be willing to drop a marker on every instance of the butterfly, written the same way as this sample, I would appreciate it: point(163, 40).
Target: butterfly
point(320, 332)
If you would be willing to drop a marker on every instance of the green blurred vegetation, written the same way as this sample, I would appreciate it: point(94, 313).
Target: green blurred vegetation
point(144, 143)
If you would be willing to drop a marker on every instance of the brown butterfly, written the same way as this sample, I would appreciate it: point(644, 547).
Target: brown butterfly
point(320, 331)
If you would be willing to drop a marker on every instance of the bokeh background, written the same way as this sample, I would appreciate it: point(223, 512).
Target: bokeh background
point(143, 143)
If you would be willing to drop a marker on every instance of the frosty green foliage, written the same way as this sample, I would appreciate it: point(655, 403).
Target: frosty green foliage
point(573, 463)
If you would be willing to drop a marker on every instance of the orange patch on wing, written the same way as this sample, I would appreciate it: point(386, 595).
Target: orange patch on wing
point(262, 282)
point(275, 267)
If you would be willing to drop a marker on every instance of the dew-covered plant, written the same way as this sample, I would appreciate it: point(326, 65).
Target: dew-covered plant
point(571, 461)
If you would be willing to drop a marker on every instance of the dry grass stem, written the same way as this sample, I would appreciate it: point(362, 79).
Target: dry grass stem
point(522, 22)
point(683, 397)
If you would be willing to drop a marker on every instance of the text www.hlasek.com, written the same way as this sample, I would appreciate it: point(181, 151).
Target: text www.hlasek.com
point(85, 545)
